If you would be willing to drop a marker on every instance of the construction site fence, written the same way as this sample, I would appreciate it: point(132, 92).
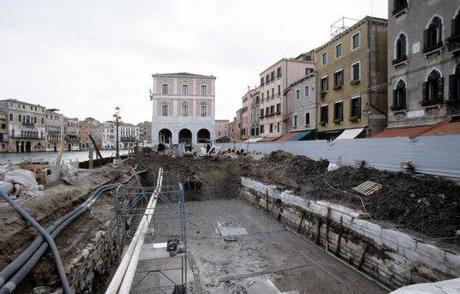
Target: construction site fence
point(434, 155)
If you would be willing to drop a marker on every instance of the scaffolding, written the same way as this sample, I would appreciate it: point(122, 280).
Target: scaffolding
point(152, 219)
point(342, 25)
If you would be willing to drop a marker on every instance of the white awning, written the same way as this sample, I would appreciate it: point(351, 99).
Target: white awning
point(350, 134)
point(253, 140)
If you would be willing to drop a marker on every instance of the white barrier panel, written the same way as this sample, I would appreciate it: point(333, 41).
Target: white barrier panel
point(435, 155)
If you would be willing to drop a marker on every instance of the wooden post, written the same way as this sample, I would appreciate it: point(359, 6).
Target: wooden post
point(361, 261)
point(301, 222)
point(327, 227)
point(90, 149)
point(318, 230)
point(337, 249)
point(266, 199)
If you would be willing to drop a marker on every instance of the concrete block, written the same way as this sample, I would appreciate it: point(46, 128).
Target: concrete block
point(402, 239)
point(431, 251)
point(369, 227)
point(318, 209)
point(420, 259)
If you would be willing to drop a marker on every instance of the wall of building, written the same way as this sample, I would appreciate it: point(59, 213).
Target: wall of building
point(419, 65)
point(302, 105)
point(390, 256)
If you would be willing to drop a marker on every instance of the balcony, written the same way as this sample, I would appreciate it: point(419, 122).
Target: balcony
point(399, 60)
point(432, 48)
point(453, 43)
point(28, 124)
point(432, 102)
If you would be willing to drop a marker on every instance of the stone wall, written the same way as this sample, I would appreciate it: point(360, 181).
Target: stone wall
point(392, 257)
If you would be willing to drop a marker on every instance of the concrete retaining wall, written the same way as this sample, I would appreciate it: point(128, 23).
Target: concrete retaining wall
point(392, 257)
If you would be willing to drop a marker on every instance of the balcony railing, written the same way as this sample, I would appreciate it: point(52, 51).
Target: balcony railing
point(453, 42)
point(28, 124)
point(399, 60)
point(432, 102)
point(429, 48)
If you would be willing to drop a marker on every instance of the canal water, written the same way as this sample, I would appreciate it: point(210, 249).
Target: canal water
point(67, 156)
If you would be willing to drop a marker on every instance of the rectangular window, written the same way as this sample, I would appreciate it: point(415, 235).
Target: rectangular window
point(324, 58)
point(297, 94)
point(184, 89)
point(295, 121)
point(11, 117)
point(324, 114)
point(204, 109)
point(262, 96)
point(355, 72)
point(273, 93)
point(308, 71)
point(261, 81)
point(272, 75)
point(338, 112)
point(268, 94)
point(307, 118)
point(324, 84)
point(262, 129)
point(338, 79)
point(267, 110)
point(278, 72)
point(164, 89)
point(271, 128)
point(338, 51)
point(307, 90)
point(355, 41)
point(164, 110)
point(279, 90)
point(272, 109)
point(204, 90)
point(267, 79)
point(262, 112)
point(278, 108)
point(184, 110)
point(355, 108)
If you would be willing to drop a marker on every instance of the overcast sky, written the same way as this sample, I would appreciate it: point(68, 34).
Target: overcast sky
point(86, 57)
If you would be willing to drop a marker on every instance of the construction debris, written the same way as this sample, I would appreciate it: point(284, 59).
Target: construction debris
point(24, 182)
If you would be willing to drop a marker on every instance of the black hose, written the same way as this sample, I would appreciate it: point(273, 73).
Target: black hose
point(46, 235)
point(11, 268)
point(33, 253)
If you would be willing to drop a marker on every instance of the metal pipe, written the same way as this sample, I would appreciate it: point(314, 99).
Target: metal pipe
point(48, 238)
point(127, 267)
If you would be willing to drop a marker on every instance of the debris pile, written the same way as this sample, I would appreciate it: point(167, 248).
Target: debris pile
point(422, 203)
point(20, 182)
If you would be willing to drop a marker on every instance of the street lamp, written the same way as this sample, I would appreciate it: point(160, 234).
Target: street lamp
point(117, 118)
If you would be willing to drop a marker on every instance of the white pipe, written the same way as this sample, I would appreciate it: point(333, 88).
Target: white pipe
point(127, 268)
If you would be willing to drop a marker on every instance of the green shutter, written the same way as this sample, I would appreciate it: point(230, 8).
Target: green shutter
point(440, 89)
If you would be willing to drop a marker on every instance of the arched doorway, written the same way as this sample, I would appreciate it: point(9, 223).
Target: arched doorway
point(203, 136)
point(165, 136)
point(69, 147)
point(55, 147)
point(18, 147)
point(185, 137)
point(22, 146)
point(28, 147)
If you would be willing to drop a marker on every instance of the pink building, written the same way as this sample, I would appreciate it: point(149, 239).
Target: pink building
point(273, 81)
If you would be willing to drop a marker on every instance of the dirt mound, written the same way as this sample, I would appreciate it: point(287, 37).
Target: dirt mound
point(422, 203)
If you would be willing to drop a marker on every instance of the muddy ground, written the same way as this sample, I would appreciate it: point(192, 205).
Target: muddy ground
point(422, 203)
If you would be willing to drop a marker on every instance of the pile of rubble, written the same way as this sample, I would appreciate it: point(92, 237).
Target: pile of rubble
point(422, 203)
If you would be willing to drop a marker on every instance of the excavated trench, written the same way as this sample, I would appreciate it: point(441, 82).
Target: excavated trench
point(241, 238)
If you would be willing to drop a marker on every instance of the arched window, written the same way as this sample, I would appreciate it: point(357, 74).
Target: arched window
point(399, 6)
point(204, 109)
point(400, 49)
point(399, 96)
point(433, 89)
point(433, 35)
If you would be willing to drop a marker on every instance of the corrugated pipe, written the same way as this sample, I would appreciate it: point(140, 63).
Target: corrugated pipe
point(46, 235)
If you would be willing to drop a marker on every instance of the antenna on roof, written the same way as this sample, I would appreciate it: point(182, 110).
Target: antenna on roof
point(341, 25)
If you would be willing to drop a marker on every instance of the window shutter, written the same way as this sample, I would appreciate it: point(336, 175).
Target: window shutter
point(403, 97)
point(452, 93)
point(440, 89)
point(395, 97)
point(425, 91)
point(425, 38)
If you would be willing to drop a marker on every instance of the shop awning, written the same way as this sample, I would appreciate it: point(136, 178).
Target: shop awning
point(403, 132)
point(350, 134)
point(268, 139)
point(300, 136)
point(286, 137)
point(253, 140)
